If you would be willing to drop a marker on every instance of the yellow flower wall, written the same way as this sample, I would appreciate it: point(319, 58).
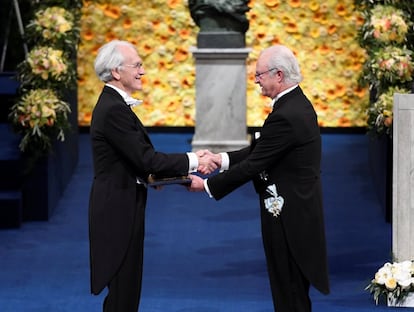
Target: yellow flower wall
point(321, 33)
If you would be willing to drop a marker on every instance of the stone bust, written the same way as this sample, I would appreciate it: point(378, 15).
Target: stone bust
point(220, 15)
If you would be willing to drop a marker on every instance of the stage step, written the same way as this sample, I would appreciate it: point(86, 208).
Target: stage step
point(11, 209)
point(10, 179)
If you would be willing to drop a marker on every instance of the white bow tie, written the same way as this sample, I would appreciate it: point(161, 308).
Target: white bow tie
point(132, 102)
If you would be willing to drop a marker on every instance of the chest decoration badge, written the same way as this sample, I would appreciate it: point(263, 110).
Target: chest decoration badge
point(274, 202)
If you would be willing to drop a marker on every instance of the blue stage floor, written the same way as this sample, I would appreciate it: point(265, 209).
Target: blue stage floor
point(200, 255)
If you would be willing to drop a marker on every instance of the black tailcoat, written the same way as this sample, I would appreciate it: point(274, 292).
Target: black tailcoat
point(289, 151)
point(122, 152)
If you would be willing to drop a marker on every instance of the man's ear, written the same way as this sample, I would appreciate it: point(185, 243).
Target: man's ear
point(115, 73)
point(281, 75)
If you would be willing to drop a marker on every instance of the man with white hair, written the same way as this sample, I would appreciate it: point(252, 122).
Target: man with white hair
point(123, 159)
point(284, 164)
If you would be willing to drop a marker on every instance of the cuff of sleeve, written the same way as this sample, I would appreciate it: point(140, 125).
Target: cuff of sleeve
point(192, 162)
point(225, 162)
point(207, 188)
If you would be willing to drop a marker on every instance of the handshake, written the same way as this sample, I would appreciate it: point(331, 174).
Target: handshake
point(208, 161)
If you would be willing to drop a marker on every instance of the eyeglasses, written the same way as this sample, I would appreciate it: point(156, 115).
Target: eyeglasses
point(259, 75)
point(135, 66)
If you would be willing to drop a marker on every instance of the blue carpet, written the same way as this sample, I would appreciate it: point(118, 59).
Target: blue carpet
point(200, 255)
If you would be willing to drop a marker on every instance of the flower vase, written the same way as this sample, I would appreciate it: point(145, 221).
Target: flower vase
point(407, 302)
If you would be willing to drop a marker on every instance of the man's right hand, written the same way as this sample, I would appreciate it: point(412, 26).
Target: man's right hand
point(208, 161)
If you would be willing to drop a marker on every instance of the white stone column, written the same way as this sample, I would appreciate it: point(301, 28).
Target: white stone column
point(221, 80)
point(403, 178)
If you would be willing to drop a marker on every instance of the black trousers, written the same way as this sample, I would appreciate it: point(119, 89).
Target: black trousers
point(124, 290)
point(290, 288)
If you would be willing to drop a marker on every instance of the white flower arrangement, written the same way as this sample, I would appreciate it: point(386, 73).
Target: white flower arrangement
point(38, 116)
point(47, 75)
point(393, 64)
point(393, 281)
point(48, 63)
point(52, 23)
point(385, 35)
point(386, 24)
point(380, 113)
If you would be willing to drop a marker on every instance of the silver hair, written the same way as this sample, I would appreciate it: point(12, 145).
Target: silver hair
point(282, 58)
point(110, 57)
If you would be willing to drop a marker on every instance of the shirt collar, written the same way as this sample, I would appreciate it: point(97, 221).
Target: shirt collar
point(282, 94)
point(128, 99)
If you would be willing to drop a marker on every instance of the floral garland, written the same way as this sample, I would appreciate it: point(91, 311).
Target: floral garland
point(389, 68)
point(393, 280)
point(41, 115)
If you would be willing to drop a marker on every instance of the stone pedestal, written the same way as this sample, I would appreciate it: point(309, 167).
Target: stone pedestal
point(220, 99)
point(403, 178)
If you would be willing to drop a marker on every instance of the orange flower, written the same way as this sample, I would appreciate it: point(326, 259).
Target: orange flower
point(294, 3)
point(341, 9)
point(95, 49)
point(324, 48)
point(81, 81)
point(180, 54)
point(161, 64)
point(360, 92)
point(173, 3)
point(127, 23)
point(291, 27)
point(184, 34)
point(275, 40)
point(318, 16)
point(133, 40)
point(172, 106)
point(155, 23)
point(272, 3)
point(359, 20)
point(171, 30)
point(109, 36)
point(331, 93)
point(340, 90)
point(144, 80)
point(267, 110)
point(261, 32)
point(88, 35)
point(164, 38)
point(157, 82)
point(252, 16)
point(87, 117)
point(188, 119)
point(332, 29)
point(339, 50)
point(186, 82)
point(344, 122)
point(159, 123)
point(147, 49)
point(356, 66)
point(346, 102)
point(112, 11)
point(321, 106)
